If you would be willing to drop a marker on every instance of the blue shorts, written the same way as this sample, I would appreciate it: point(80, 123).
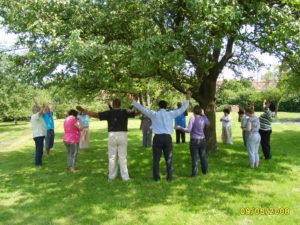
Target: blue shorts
point(49, 139)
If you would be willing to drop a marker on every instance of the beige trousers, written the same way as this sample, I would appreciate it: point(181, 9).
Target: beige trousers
point(117, 149)
point(84, 138)
point(226, 135)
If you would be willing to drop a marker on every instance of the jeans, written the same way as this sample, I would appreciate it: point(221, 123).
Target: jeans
point(162, 143)
point(198, 147)
point(39, 146)
point(49, 139)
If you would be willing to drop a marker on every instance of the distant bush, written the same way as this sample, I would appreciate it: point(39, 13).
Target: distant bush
point(291, 105)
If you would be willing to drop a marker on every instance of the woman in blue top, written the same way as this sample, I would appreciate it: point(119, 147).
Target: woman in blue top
point(85, 132)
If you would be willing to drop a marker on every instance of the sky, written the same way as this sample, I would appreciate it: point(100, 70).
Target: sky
point(8, 39)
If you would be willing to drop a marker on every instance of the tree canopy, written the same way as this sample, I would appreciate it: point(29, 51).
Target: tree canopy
point(89, 45)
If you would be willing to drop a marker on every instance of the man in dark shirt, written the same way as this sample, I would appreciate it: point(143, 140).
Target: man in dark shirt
point(117, 120)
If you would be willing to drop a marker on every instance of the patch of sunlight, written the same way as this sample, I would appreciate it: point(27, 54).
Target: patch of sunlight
point(62, 221)
point(9, 199)
point(246, 221)
point(123, 217)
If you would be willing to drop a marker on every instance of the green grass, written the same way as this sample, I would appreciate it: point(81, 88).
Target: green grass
point(52, 195)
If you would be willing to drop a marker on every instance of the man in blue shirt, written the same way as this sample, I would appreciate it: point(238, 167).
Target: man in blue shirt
point(162, 125)
point(180, 121)
point(48, 117)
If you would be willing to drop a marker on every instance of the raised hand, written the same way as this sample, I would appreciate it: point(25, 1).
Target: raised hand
point(130, 97)
point(178, 128)
point(188, 94)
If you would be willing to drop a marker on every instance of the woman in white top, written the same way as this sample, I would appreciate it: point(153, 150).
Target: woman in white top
point(226, 127)
point(38, 132)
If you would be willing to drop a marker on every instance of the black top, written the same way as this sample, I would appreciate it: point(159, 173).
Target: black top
point(117, 119)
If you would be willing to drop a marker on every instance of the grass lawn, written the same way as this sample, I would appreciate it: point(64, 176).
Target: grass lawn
point(52, 195)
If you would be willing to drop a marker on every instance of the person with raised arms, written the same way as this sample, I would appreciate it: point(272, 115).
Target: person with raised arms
point(48, 117)
point(117, 120)
point(38, 132)
point(196, 127)
point(49, 121)
point(162, 125)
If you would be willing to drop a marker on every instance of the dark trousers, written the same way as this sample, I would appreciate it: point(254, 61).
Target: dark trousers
point(180, 133)
point(162, 143)
point(265, 143)
point(39, 146)
point(198, 147)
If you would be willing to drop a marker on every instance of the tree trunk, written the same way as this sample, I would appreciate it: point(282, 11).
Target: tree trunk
point(140, 98)
point(148, 99)
point(206, 99)
point(16, 121)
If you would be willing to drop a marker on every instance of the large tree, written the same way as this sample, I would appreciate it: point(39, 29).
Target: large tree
point(90, 45)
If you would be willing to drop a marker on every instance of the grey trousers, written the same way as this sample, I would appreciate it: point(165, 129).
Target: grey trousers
point(72, 149)
point(147, 139)
point(253, 142)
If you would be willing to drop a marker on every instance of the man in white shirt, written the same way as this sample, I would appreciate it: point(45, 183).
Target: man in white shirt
point(162, 125)
point(38, 132)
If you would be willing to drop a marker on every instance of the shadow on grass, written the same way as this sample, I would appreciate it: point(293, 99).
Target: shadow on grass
point(11, 128)
point(51, 194)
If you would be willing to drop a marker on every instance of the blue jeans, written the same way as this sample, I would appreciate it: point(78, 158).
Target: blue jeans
point(39, 146)
point(198, 147)
point(49, 139)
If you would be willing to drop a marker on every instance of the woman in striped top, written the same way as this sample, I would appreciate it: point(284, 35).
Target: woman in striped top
point(265, 130)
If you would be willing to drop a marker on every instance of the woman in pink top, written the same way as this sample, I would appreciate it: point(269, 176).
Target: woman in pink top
point(72, 129)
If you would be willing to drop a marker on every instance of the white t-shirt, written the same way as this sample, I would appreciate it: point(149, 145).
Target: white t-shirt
point(226, 124)
point(38, 125)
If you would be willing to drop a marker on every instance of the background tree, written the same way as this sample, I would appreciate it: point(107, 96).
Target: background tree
point(235, 92)
point(93, 45)
point(15, 96)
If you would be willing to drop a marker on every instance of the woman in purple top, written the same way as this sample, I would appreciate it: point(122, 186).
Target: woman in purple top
point(197, 144)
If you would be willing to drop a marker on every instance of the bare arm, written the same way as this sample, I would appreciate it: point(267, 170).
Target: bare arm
point(78, 125)
point(41, 110)
point(54, 107)
point(35, 101)
point(86, 112)
point(248, 127)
